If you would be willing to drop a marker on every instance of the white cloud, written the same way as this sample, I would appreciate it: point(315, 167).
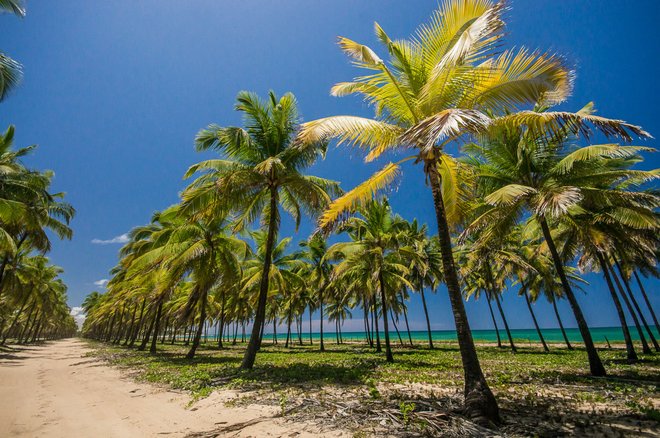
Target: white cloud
point(79, 315)
point(118, 239)
point(102, 282)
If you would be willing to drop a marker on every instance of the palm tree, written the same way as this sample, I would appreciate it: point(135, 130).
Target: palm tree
point(374, 253)
point(10, 70)
point(425, 266)
point(261, 170)
point(437, 87)
point(528, 162)
point(315, 250)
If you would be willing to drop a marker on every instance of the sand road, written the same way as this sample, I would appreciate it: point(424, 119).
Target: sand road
point(54, 390)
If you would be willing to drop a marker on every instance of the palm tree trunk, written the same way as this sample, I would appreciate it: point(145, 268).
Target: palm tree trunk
point(202, 320)
point(640, 332)
point(27, 322)
point(221, 326)
point(374, 319)
point(260, 316)
point(367, 331)
point(337, 330)
point(154, 338)
point(506, 324)
point(18, 315)
point(299, 328)
point(561, 326)
point(396, 328)
point(405, 318)
point(636, 305)
point(388, 349)
point(288, 330)
point(310, 325)
point(480, 403)
point(492, 316)
point(129, 332)
point(536, 324)
point(630, 349)
point(428, 321)
point(147, 335)
point(112, 325)
point(138, 327)
point(646, 300)
point(595, 364)
point(321, 290)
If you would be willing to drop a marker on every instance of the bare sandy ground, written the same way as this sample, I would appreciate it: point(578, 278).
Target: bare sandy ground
point(53, 390)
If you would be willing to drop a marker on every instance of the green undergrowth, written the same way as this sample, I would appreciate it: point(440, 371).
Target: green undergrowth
point(530, 376)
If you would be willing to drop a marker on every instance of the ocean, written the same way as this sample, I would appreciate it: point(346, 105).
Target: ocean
point(599, 334)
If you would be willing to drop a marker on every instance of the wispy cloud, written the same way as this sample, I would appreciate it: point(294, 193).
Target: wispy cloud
point(102, 282)
point(118, 239)
point(79, 315)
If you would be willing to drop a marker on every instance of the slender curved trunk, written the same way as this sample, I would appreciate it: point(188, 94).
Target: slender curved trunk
point(121, 323)
point(396, 327)
point(139, 324)
point(536, 324)
point(221, 325)
point(492, 316)
point(480, 403)
point(18, 315)
point(274, 331)
point(388, 349)
point(310, 325)
point(27, 322)
point(631, 311)
point(561, 326)
point(112, 325)
point(202, 320)
point(646, 300)
point(428, 321)
point(129, 332)
point(321, 312)
point(375, 319)
point(288, 330)
point(260, 316)
point(636, 305)
point(154, 338)
point(165, 328)
point(299, 327)
point(405, 318)
point(630, 348)
point(506, 324)
point(595, 365)
point(147, 335)
point(367, 330)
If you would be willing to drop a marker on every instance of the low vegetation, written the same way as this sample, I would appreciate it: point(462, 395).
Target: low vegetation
point(544, 394)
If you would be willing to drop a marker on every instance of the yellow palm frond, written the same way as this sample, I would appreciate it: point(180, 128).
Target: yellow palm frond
point(371, 134)
point(362, 54)
point(360, 195)
point(515, 78)
point(455, 23)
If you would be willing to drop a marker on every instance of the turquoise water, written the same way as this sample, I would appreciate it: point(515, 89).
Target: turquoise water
point(599, 334)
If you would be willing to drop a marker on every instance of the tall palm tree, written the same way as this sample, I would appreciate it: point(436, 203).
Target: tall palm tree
point(425, 266)
point(528, 162)
point(374, 253)
point(315, 250)
point(261, 170)
point(436, 87)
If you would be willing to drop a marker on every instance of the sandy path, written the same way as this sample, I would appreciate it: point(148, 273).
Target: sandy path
point(52, 390)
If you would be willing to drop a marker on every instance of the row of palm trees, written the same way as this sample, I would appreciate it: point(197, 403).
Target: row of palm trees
point(519, 207)
point(33, 302)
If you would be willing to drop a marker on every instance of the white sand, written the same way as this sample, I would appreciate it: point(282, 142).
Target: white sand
point(52, 390)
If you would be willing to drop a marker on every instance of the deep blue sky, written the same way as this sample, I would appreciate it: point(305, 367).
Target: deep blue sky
point(114, 93)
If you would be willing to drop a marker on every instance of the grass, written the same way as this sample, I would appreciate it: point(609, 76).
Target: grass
point(531, 385)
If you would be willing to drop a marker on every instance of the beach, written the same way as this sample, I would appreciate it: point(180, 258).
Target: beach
point(57, 390)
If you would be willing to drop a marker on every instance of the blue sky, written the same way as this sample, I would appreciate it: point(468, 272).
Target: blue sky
point(114, 93)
